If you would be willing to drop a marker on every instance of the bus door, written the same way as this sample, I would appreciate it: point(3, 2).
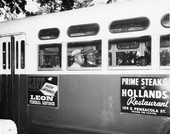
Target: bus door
point(12, 68)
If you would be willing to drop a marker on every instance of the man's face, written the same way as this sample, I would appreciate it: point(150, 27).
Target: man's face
point(79, 59)
point(47, 59)
point(91, 57)
point(143, 62)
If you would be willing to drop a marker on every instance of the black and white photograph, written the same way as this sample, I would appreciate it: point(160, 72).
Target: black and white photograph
point(84, 66)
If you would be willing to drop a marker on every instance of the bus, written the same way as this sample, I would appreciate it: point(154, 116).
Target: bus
point(127, 89)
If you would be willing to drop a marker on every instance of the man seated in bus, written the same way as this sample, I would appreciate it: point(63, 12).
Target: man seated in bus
point(165, 57)
point(47, 62)
point(90, 58)
point(143, 61)
point(78, 58)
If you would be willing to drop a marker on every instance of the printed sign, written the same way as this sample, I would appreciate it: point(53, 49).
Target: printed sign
point(49, 89)
point(145, 95)
point(43, 91)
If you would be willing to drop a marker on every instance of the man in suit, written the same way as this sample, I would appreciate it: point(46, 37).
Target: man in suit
point(78, 58)
point(90, 58)
point(47, 62)
point(142, 61)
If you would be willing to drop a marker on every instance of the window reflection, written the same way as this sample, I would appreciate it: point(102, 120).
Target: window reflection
point(165, 50)
point(50, 56)
point(83, 30)
point(84, 54)
point(4, 55)
point(129, 25)
point(165, 21)
point(46, 34)
point(130, 52)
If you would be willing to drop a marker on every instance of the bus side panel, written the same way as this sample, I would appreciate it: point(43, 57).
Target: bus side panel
point(6, 97)
point(3, 105)
point(91, 104)
point(15, 110)
point(22, 104)
point(16, 100)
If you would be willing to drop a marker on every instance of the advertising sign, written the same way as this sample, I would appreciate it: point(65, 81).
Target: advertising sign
point(43, 91)
point(145, 95)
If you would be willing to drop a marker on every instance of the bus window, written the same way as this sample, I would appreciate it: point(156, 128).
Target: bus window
point(130, 52)
point(17, 55)
point(84, 54)
point(165, 21)
point(50, 57)
point(22, 54)
point(83, 30)
point(46, 34)
point(165, 50)
point(9, 55)
point(129, 25)
point(4, 55)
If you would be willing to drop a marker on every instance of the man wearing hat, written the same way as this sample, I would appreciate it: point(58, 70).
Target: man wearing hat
point(90, 58)
point(78, 58)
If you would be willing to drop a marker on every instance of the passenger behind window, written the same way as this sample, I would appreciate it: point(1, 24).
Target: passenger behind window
point(165, 58)
point(78, 58)
point(143, 61)
point(47, 62)
point(90, 57)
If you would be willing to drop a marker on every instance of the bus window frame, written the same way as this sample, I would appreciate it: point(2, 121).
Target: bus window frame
point(129, 67)
point(4, 55)
point(162, 20)
point(51, 37)
point(160, 50)
point(98, 68)
point(129, 19)
point(51, 45)
point(82, 26)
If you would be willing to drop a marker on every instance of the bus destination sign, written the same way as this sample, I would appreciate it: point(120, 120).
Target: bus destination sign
point(145, 95)
point(43, 91)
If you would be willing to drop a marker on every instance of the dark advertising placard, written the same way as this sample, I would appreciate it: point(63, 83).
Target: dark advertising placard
point(43, 91)
point(145, 95)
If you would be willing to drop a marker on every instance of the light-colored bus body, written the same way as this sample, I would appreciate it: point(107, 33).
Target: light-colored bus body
point(110, 98)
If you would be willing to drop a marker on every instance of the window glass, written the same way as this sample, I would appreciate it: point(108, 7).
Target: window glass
point(165, 50)
point(165, 21)
point(83, 30)
point(130, 52)
point(50, 56)
point(46, 34)
point(84, 54)
point(9, 55)
point(17, 54)
point(22, 54)
point(129, 25)
point(4, 55)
